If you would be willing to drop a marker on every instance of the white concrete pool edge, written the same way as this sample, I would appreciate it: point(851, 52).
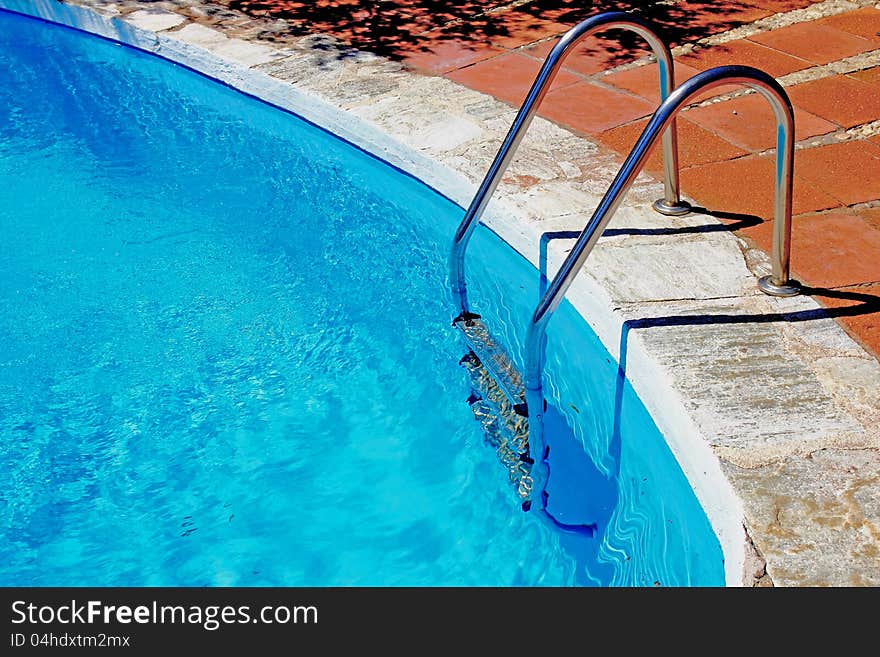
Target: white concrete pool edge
point(600, 307)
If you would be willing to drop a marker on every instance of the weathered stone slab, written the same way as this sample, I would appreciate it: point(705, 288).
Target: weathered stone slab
point(816, 518)
point(641, 269)
point(154, 19)
point(236, 50)
point(741, 384)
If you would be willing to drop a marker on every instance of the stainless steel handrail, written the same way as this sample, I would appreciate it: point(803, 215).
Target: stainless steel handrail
point(776, 284)
point(671, 204)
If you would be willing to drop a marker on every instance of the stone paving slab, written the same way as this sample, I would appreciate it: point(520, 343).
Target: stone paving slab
point(154, 20)
point(737, 339)
point(832, 493)
point(811, 414)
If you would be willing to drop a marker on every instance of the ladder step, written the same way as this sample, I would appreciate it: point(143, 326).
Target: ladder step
point(498, 400)
point(504, 429)
point(494, 358)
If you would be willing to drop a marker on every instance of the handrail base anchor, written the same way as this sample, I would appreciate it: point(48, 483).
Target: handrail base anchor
point(671, 209)
point(788, 289)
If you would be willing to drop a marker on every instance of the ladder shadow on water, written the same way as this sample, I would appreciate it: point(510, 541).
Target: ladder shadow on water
point(591, 570)
point(566, 444)
point(574, 468)
point(868, 303)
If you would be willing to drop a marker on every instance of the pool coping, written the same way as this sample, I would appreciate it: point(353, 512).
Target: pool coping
point(519, 215)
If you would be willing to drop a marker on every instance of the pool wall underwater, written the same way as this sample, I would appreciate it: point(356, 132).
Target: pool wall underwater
point(696, 458)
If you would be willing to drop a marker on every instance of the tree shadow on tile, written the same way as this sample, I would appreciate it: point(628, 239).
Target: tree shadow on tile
point(397, 29)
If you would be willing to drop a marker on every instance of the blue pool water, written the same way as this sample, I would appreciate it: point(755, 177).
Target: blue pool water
point(226, 358)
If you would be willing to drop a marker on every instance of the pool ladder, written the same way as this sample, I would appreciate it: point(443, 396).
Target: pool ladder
point(518, 400)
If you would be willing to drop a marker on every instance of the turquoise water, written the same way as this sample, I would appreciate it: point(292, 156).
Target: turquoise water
point(226, 358)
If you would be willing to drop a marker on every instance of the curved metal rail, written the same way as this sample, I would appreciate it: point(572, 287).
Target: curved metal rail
point(776, 284)
point(671, 204)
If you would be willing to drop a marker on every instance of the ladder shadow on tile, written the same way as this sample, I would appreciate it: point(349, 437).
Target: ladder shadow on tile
point(869, 303)
point(734, 221)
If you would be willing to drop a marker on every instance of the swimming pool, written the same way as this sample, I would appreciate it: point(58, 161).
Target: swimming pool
point(228, 358)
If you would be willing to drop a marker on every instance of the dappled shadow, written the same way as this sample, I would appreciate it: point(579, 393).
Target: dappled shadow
point(397, 28)
point(392, 28)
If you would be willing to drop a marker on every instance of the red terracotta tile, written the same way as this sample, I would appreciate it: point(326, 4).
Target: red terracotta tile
point(779, 6)
point(592, 55)
point(838, 98)
point(875, 139)
point(566, 11)
point(723, 90)
point(745, 186)
point(816, 43)
point(695, 145)
point(748, 122)
point(507, 77)
point(676, 21)
point(685, 21)
point(433, 11)
point(871, 215)
point(849, 171)
point(863, 22)
point(589, 108)
point(713, 17)
point(856, 312)
point(541, 50)
point(414, 19)
point(442, 56)
point(514, 28)
point(644, 80)
point(747, 53)
point(831, 249)
point(869, 76)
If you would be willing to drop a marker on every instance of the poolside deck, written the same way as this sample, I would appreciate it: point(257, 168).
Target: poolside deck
point(783, 400)
point(826, 54)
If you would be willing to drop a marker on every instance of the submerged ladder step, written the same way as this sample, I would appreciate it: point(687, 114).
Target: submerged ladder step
point(494, 358)
point(497, 401)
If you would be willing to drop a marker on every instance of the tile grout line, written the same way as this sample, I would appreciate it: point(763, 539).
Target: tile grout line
point(813, 12)
point(845, 66)
point(853, 207)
